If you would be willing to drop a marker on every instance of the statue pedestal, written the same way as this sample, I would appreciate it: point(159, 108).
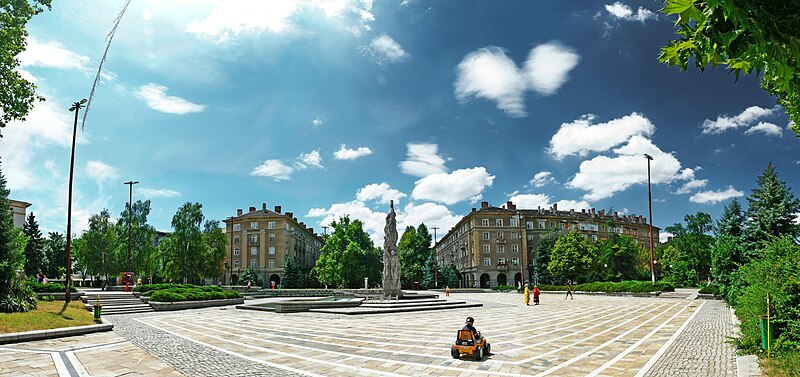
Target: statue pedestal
point(393, 292)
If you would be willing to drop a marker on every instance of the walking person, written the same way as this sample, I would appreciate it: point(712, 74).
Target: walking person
point(569, 290)
point(536, 295)
point(527, 295)
point(446, 291)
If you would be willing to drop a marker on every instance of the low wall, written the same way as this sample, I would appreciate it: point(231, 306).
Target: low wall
point(60, 296)
point(265, 293)
point(167, 306)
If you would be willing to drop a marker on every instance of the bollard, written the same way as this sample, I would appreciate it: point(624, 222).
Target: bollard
point(97, 310)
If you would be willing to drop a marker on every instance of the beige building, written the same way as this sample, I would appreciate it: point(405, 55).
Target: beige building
point(18, 210)
point(265, 239)
point(485, 245)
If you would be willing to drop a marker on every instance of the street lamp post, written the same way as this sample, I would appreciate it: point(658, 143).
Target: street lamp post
point(521, 255)
point(650, 206)
point(68, 280)
point(324, 260)
point(435, 264)
point(130, 219)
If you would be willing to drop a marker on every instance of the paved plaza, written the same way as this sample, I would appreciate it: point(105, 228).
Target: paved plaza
point(587, 336)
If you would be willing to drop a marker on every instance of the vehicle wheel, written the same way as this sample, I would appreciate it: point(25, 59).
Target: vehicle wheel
point(454, 352)
point(479, 353)
point(488, 350)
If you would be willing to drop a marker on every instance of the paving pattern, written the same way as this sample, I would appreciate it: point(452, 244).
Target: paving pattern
point(588, 336)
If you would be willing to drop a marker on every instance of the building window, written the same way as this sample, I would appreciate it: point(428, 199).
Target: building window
point(271, 225)
point(530, 237)
point(552, 225)
point(542, 224)
point(254, 238)
point(237, 226)
point(254, 225)
point(253, 263)
point(487, 249)
point(236, 251)
point(484, 222)
point(487, 261)
point(236, 263)
point(514, 236)
point(512, 222)
point(500, 235)
point(272, 250)
point(498, 222)
point(486, 235)
point(236, 239)
point(515, 261)
point(515, 248)
point(272, 237)
point(501, 261)
point(594, 237)
point(501, 248)
point(529, 225)
point(253, 251)
point(272, 262)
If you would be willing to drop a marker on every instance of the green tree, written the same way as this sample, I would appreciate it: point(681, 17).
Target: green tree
point(694, 243)
point(728, 252)
point(450, 276)
point(292, 277)
point(541, 257)
point(35, 257)
point(183, 255)
point(142, 236)
point(732, 223)
point(15, 296)
point(747, 36)
point(772, 208)
point(429, 272)
point(413, 250)
point(621, 255)
point(100, 242)
point(17, 95)
point(214, 243)
point(55, 247)
point(250, 275)
point(572, 256)
point(349, 256)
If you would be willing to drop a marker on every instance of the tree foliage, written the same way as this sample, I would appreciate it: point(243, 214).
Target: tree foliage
point(14, 295)
point(349, 256)
point(621, 255)
point(541, 258)
point(413, 250)
point(196, 247)
point(292, 277)
point(572, 256)
point(17, 95)
point(141, 238)
point(450, 276)
point(693, 244)
point(746, 36)
point(97, 250)
point(35, 258)
point(55, 247)
point(772, 208)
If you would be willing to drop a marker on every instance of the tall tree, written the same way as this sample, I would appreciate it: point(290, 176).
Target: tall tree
point(100, 242)
point(55, 248)
point(214, 243)
point(541, 257)
point(413, 250)
point(35, 257)
point(732, 223)
point(747, 36)
point(17, 94)
point(15, 296)
point(142, 235)
point(186, 243)
point(694, 243)
point(572, 256)
point(773, 208)
point(450, 276)
point(349, 256)
point(621, 255)
point(729, 251)
point(292, 278)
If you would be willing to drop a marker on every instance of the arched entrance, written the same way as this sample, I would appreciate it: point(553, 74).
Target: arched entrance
point(234, 279)
point(517, 278)
point(501, 279)
point(485, 281)
point(274, 279)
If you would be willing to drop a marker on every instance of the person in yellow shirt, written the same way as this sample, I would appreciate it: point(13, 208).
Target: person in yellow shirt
point(527, 294)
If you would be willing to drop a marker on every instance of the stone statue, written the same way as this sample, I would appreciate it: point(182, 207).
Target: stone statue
point(391, 264)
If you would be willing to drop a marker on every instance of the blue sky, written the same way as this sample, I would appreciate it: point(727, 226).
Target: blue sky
point(335, 107)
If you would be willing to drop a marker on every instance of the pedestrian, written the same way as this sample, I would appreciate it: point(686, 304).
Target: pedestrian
point(527, 295)
point(446, 291)
point(248, 284)
point(44, 279)
point(536, 294)
point(38, 278)
point(569, 290)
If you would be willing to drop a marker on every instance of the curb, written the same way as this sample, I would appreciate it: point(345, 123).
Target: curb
point(747, 365)
point(16, 337)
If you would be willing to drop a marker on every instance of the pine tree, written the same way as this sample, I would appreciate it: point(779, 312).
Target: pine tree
point(429, 273)
point(55, 247)
point(35, 257)
point(14, 295)
point(773, 208)
point(732, 222)
point(292, 278)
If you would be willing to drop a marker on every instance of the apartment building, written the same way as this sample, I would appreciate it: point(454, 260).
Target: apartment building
point(18, 209)
point(265, 239)
point(485, 245)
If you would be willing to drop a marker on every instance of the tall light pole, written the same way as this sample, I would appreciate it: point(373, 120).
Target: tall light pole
point(75, 107)
point(435, 264)
point(521, 255)
point(130, 219)
point(324, 261)
point(650, 206)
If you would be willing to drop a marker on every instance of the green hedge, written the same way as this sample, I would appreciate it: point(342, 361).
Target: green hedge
point(157, 287)
point(47, 288)
point(504, 288)
point(613, 287)
point(711, 289)
point(192, 294)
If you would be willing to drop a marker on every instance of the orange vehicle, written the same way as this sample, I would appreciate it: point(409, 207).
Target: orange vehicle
point(471, 344)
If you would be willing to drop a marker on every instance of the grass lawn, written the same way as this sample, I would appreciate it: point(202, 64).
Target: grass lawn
point(46, 316)
point(786, 364)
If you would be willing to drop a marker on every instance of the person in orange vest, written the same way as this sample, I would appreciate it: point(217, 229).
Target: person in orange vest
point(446, 291)
point(536, 294)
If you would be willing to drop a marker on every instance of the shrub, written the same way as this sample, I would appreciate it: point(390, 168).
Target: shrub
point(48, 298)
point(711, 289)
point(167, 296)
point(192, 294)
point(49, 287)
point(629, 286)
point(158, 287)
point(504, 288)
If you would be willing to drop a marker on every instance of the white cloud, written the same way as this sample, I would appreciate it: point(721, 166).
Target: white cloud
point(430, 214)
point(450, 188)
point(724, 122)
point(691, 185)
point(768, 129)
point(542, 178)
point(51, 54)
point(603, 176)
point(310, 159)
point(158, 193)
point(381, 192)
point(581, 136)
point(533, 201)
point(663, 236)
point(714, 197)
point(624, 12)
point(156, 98)
point(422, 160)
point(488, 73)
point(385, 49)
point(351, 154)
point(275, 169)
point(317, 122)
point(100, 171)
point(548, 65)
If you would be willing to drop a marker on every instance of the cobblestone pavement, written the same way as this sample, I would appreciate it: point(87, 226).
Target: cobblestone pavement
point(587, 336)
point(703, 348)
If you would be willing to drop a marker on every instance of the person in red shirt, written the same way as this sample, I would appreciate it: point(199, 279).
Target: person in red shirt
point(536, 294)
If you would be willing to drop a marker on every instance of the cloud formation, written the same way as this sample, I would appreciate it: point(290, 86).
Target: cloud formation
point(156, 98)
point(274, 169)
point(714, 197)
point(306, 160)
point(450, 188)
point(422, 160)
point(624, 12)
point(50, 54)
point(542, 178)
point(100, 171)
point(383, 49)
point(345, 153)
point(533, 201)
point(157, 193)
point(381, 192)
point(745, 118)
point(581, 136)
point(768, 129)
point(490, 74)
point(691, 185)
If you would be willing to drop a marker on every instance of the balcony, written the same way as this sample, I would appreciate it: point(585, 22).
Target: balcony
point(500, 240)
point(502, 267)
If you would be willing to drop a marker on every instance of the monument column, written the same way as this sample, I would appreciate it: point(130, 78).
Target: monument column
point(391, 263)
